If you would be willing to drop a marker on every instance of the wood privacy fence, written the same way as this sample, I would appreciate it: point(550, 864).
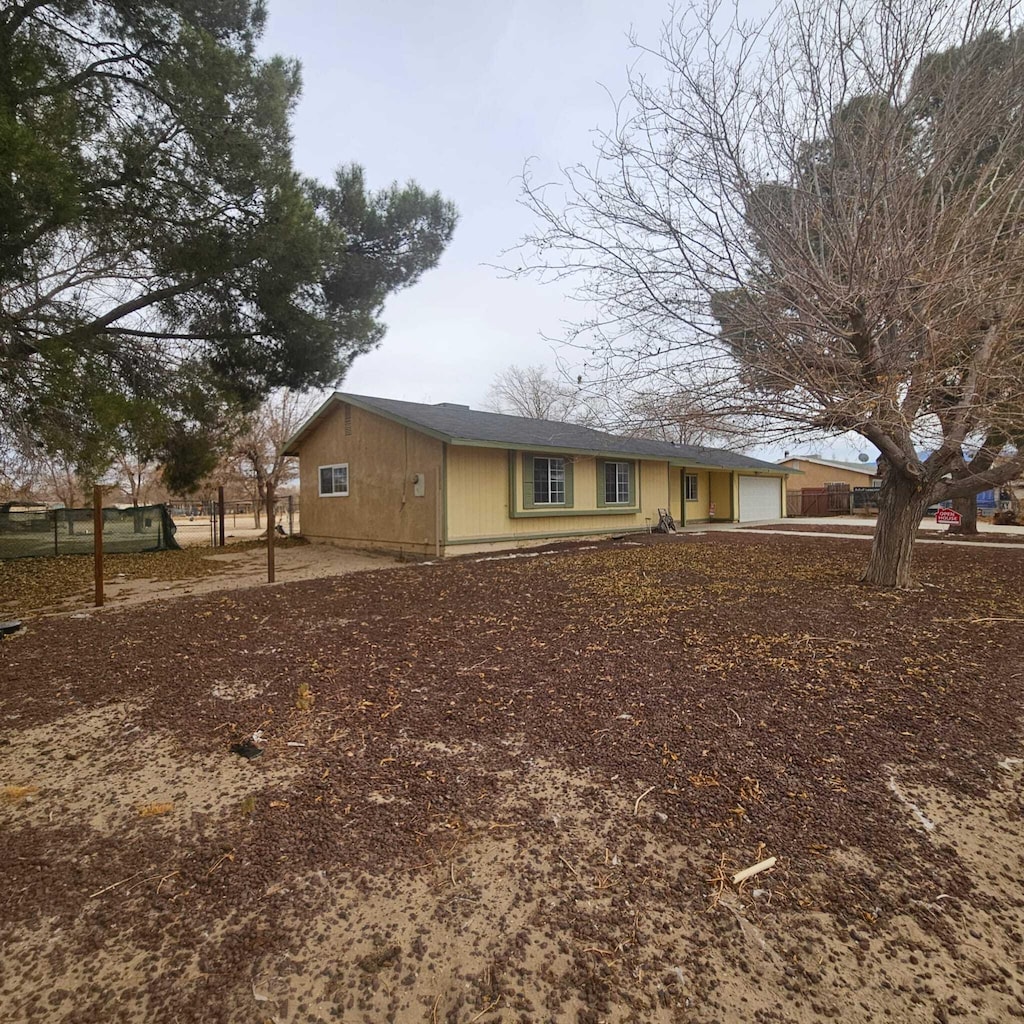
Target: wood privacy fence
point(830, 500)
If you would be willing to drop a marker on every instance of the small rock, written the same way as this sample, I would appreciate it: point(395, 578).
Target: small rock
point(661, 816)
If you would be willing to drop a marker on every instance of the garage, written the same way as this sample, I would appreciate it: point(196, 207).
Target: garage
point(760, 498)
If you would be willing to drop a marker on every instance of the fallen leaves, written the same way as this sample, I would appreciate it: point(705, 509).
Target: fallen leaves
point(33, 584)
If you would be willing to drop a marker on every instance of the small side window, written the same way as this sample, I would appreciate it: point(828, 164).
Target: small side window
point(691, 486)
point(334, 480)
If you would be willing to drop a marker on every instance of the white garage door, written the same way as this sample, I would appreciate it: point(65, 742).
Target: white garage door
point(760, 498)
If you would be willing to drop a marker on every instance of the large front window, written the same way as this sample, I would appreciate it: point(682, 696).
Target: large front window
point(548, 481)
point(616, 483)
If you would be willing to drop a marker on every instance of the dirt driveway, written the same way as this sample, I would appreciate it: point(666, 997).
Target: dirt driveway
point(242, 567)
point(518, 791)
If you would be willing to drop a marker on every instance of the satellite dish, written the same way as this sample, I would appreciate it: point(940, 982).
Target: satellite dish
point(863, 457)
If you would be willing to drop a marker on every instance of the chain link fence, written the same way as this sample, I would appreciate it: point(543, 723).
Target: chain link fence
point(31, 533)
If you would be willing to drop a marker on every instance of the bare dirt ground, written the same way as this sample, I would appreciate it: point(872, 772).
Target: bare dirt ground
point(516, 790)
point(238, 567)
point(36, 586)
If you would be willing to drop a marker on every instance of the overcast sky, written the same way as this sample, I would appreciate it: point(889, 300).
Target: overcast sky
point(457, 95)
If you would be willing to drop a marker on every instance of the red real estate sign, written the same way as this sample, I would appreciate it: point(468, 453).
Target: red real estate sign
point(948, 515)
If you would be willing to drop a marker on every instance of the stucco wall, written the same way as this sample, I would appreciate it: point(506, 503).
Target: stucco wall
point(381, 510)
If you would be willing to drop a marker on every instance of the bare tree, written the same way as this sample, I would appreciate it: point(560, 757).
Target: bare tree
point(136, 475)
point(59, 475)
point(19, 467)
point(256, 453)
point(823, 214)
point(536, 393)
point(683, 417)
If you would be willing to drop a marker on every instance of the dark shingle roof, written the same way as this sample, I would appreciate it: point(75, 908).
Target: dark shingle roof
point(459, 424)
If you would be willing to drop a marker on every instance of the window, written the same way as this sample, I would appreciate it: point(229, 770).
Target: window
point(616, 485)
point(548, 481)
point(690, 485)
point(334, 480)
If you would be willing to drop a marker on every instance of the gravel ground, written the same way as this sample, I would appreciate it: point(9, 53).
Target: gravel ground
point(515, 789)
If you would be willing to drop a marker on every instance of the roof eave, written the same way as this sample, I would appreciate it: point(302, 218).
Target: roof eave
point(291, 446)
point(616, 453)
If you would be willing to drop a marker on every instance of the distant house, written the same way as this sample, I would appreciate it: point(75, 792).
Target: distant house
point(819, 472)
point(446, 480)
point(816, 472)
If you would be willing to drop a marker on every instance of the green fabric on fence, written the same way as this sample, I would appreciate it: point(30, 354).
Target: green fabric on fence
point(29, 533)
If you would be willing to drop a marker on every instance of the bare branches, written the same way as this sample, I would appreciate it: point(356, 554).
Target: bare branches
point(827, 206)
point(822, 214)
point(256, 451)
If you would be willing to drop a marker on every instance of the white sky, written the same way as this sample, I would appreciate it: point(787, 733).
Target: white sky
point(457, 95)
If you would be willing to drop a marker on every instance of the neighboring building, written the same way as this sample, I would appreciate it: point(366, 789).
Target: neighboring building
point(818, 472)
point(446, 480)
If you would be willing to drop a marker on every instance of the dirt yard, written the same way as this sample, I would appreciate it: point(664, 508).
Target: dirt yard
point(517, 790)
point(34, 586)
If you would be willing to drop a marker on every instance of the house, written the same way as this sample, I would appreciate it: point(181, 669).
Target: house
point(818, 472)
point(443, 479)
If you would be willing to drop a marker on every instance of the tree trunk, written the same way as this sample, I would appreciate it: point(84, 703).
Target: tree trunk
point(968, 509)
point(261, 499)
point(901, 504)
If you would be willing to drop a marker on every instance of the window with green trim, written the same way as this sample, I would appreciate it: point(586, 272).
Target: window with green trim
point(690, 485)
point(616, 483)
point(548, 481)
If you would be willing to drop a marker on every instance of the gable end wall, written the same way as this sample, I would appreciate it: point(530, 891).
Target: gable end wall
point(381, 511)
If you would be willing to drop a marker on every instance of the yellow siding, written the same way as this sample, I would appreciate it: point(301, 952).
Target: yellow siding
point(723, 495)
point(654, 492)
point(697, 510)
point(478, 512)
point(477, 491)
point(381, 509)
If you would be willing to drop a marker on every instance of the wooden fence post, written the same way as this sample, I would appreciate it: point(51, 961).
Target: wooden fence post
point(270, 533)
point(97, 541)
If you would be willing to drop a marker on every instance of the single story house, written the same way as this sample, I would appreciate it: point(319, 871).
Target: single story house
point(819, 472)
point(443, 479)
